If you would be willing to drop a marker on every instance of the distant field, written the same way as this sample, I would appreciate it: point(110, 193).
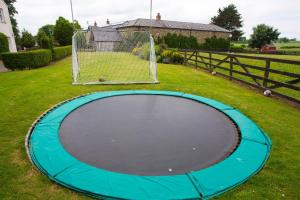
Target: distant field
point(112, 67)
point(288, 46)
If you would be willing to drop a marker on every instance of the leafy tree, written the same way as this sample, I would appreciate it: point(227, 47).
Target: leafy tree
point(3, 43)
point(230, 19)
point(77, 25)
point(48, 30)
point(63, 31)
point(12, 11)
point(44, 41)
point(263, 34)
point(27, 40)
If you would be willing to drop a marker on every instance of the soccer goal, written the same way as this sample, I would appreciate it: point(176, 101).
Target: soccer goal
point(109, 56)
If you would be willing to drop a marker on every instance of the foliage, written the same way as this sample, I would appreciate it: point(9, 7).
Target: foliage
point(171, 57)
point(76, 25)
point(230, 19)
point(216, 44)
point(27, 59)
point(61, 52)
point(63, 31)
point(48, 30)
point(263, 34)
point(27, 40)
point(44, 41)
point(180, 41)
point(12, 11)
point(3, 43)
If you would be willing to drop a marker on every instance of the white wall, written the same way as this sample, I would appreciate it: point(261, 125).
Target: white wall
point(6, 28)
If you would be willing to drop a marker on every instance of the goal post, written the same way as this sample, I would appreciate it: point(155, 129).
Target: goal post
point(109, 56)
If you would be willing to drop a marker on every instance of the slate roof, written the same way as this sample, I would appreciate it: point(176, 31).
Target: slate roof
point(106, 34)
point(172, 25)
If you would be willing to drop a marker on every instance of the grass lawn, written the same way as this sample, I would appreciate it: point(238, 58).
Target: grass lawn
point(112, 67)
point(261, 63)
point(25, 95)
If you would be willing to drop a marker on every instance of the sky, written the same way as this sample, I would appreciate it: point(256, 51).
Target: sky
point(281, 14)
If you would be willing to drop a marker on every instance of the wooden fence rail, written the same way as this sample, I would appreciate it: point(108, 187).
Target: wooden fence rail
point(280, 76)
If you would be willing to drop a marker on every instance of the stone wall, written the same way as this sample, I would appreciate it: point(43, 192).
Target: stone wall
point(160, 32)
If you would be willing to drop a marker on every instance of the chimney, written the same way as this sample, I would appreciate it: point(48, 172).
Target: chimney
point(95, 24)
point(158, 17)
point(107, 22)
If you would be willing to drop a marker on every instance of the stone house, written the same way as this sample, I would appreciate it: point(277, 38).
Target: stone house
point(161, 28)
point(6, 27)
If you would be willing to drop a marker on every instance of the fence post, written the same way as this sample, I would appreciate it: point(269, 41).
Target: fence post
point(210, 62)
point(196, 59)
point(185, 56)
point(231, 68)
point(267, 72)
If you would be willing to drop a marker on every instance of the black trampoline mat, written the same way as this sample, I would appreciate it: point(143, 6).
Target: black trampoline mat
point(149, 135)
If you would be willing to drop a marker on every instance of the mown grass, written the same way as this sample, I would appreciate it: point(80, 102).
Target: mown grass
point(117, 67)
point(24, 95)
point(262, 64)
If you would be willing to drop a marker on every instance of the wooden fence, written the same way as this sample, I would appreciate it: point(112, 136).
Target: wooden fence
point(280, 76)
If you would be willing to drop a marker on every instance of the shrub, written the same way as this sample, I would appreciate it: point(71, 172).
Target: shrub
point(27, 40)
point(216, 44)
point(145, 52)
point(136, 51)
point(27, 60)
point(61, 52)
point(44, 41)
point(3, 43)
point(180, 41)
point(171, 56)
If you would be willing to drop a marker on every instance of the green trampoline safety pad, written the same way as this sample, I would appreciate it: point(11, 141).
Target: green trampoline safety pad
point(49, 154)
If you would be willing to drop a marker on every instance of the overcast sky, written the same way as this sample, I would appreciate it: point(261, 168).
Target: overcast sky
point(282, 14)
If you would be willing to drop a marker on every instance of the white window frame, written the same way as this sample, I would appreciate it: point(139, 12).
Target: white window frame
point(2, 17)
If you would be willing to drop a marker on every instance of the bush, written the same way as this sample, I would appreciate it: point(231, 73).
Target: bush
point(171, 56)
point(216, 44)
point(61, 52)
point(27, 40)
point(27, 60)
point(44, 41)
point(3, 43)
point(180, 41)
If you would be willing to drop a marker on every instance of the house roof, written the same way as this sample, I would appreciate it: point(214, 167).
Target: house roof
point(106, 34)
point(172, 25)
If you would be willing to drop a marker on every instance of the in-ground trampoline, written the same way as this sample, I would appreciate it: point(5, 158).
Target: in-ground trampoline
point(147, 145)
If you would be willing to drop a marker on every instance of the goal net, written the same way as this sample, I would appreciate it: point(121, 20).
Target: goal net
point(109, 56)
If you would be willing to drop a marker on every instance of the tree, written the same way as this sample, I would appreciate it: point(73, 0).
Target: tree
point(27, 40)
point(263, 34)
point(48, 30)
point(230, 19)
point(44, 41)
point(63, 31)
point(12, 11)
point(77, 25)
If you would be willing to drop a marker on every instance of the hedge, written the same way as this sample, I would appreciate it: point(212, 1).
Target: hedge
point(27, 59)
point(3, 43)
point(61, 52)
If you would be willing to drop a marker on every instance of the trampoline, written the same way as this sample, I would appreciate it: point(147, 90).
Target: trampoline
point(147, 145)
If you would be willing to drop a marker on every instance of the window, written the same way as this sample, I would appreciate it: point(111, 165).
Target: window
point(2, 18)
